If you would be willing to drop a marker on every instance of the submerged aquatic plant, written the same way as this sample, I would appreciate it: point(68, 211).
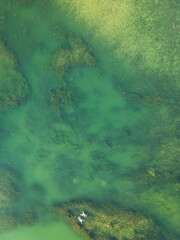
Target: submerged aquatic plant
point(76, 54)
point(14, 88)
point(106, 221)
point(114, 131)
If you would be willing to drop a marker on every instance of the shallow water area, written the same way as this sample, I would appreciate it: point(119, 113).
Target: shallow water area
point(43, 231)
point(100, 119)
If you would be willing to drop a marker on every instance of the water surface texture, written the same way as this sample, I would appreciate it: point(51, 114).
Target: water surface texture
point(89, 109)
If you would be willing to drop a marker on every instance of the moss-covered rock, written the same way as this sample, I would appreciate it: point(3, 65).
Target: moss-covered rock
point(13, 86)
point(108, 221)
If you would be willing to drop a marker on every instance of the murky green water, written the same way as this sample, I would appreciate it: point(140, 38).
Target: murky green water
point(41, 231)
point(107, 130)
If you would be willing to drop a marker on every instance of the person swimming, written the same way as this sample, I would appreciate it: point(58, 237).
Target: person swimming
point(80, 219)
point(83, 214)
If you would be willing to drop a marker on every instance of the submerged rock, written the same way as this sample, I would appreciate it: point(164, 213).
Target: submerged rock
point(107, 221)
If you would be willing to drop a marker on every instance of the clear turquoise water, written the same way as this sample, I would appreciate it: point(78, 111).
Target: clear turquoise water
point(100, 148)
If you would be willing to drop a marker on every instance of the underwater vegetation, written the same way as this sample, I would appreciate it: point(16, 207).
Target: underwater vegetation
point(11, 194)
point(90, 109)
point(107, 221)
point(138, 46)
point(9, 191)
point(14, 88)
point(76, 54)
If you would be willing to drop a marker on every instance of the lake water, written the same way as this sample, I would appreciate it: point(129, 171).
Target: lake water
point(101, 119)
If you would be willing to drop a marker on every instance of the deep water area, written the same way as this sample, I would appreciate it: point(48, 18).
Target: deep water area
point(90, 112)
